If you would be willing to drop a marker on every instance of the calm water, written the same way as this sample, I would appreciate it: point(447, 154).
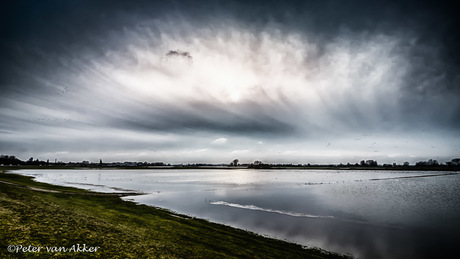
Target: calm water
point(368, 214)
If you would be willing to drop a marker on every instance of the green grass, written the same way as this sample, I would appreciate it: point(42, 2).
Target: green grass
point(120, 228)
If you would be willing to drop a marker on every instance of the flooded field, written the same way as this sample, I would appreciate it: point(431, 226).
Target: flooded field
point(368, 214)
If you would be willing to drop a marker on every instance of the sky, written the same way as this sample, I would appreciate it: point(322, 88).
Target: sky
point(212, 81)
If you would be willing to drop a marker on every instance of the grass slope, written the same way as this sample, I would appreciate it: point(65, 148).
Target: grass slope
point(31, 215)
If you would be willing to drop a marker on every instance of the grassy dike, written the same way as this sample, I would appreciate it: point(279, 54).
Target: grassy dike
point(40, 216)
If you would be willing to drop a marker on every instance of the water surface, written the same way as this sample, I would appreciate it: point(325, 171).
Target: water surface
point(368, 214)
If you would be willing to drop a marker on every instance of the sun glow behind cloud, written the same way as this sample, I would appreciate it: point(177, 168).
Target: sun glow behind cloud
point(283, 73)
point(267, 68)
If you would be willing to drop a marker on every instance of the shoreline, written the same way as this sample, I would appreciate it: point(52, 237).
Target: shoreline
point(174, 229)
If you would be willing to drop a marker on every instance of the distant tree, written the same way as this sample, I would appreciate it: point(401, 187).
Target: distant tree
point(430, 162)
point(235, 162)
point(9, 160)
point(258, 162)
point(420, 163)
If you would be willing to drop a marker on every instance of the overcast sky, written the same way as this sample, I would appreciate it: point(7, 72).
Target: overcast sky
point(211, 81)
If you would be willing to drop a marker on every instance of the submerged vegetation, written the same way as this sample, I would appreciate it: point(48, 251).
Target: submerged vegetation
point(47, 216)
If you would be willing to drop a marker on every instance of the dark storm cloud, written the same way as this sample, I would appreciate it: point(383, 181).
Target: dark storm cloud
point(85, 65)
point(179, 53)
point(206, 117)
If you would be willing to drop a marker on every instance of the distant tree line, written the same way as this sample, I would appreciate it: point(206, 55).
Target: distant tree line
point(13, 160)
point(454, 164)
point(10, 160)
